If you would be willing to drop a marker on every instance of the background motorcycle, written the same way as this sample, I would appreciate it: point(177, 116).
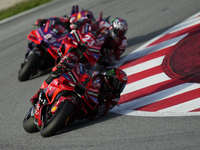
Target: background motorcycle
point(86, 41)
point(42, 49)
point(72, 96)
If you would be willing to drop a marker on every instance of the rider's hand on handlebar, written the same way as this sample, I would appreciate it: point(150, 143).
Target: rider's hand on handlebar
point(75, 25)
point(105, 51)
point(66, 67)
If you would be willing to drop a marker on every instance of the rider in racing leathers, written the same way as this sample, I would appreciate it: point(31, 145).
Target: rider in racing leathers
point(112, 84)
point(115, 44)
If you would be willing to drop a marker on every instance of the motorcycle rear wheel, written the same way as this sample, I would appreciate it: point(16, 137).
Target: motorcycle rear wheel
point(25, 72)
point(57, 119)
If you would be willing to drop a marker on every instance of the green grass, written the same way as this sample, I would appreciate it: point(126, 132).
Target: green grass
point(20, 7)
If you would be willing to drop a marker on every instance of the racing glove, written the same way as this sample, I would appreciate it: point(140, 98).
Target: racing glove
point(75, 25)
point(105, 51)
point(62, 67)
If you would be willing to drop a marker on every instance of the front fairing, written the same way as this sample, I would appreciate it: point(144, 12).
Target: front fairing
point(84, 36)
point(66, 83)
point(48, 35)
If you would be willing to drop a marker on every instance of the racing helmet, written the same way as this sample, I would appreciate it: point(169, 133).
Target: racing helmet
point(115, 79)
point(118, 28)
point(85, 14)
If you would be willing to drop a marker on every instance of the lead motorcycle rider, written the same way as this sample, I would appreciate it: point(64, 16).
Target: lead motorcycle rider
point(112, 84)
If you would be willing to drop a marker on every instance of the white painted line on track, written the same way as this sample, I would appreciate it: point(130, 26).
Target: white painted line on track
point(140, 84)
point(174, 91)
point(142, 51)
point(144, 66)
point(183, 107)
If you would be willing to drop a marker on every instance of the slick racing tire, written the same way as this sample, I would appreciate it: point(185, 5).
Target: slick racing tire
point(29, 125)
point(25, 72)
point(57, 119)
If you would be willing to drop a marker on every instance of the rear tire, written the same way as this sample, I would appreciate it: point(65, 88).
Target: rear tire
point(25, 72)
point(58, 119)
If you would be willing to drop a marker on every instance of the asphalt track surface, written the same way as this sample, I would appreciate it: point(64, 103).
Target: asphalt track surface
point(146, 20)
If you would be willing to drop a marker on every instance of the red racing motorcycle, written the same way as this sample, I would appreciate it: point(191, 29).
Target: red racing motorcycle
point(42, 49)
point(72, 96)
point(87, 42)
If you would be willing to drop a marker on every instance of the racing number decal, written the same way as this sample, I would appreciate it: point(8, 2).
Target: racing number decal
point(89, 39)
point(50, 38)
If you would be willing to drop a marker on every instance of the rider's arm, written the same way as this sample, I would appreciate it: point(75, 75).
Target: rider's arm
point(116, 52)
point(40, 22)
point(107, 104)
point(79, 23)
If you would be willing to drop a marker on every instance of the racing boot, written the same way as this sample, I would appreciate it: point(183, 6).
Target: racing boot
point(35, 98)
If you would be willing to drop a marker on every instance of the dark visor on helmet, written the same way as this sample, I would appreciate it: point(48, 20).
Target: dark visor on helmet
point(119, 33)
point(118, 86)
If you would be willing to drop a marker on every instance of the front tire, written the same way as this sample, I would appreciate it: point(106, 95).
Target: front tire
point(57, 119)
point(28, 123)
point(25, 72)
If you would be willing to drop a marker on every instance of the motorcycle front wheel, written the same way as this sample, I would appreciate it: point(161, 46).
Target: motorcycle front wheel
point(28, 123)
point(53, 122)
point(28, 66)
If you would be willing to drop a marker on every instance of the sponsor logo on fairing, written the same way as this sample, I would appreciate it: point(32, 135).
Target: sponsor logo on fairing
point(76, 36)
point(96, 81)
point(72, 77)
point(81, 68)
point(66, 76)
point(78, 70)
point(95, 56)
point(38, 35)
point(83, 30)
point(40, 31)
point(93, 50)
point(94, 99)
point(60, 39)
point(51, 22)
point(100, 39)
point(92, 93)
point(71, 36)
point(56, 44)
point(116, 100)
point(46, 27)
point(64, 33)
point(72, 99)
point(86, 28)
